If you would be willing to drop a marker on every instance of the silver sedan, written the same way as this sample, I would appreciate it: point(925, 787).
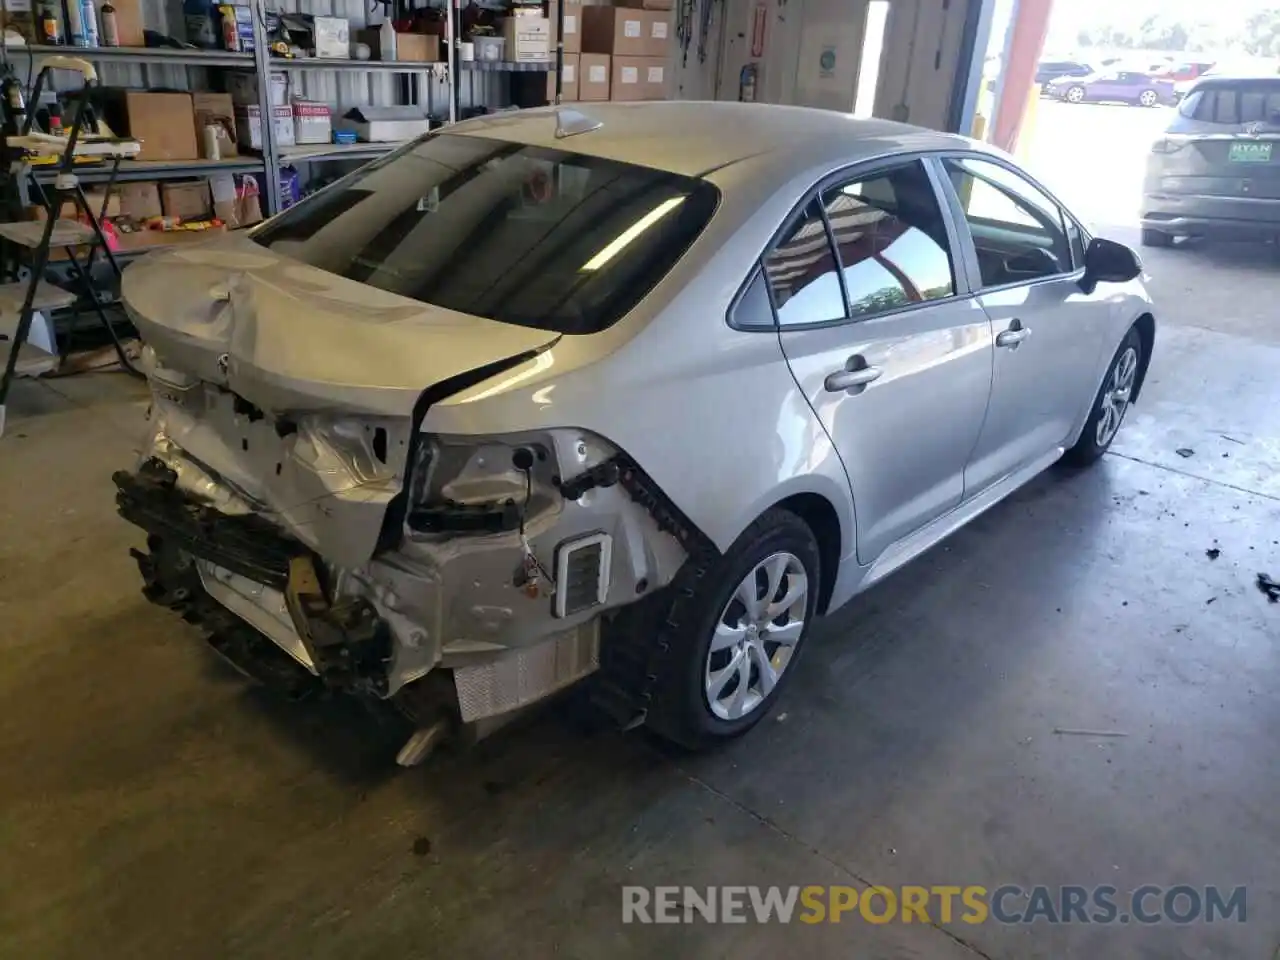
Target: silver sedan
point(633, 392)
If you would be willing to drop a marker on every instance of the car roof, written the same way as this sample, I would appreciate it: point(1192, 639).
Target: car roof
point(693, 137)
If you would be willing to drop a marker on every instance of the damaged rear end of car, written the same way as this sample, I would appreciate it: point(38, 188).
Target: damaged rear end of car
point(296, 504)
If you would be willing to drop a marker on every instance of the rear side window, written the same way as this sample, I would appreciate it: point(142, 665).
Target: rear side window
point(891, 238)
point(803, 273)
point(522, 234)
point(1234, 104)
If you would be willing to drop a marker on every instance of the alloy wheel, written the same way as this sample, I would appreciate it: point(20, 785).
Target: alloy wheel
point(756, 636)
point(1115, 398)
point(1075, 94)
point(1148, 98)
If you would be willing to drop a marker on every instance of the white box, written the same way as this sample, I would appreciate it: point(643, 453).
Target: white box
point(527, 38)
point(311, 122)
point(385, 124)
point(333, 38)
point(249, 126)
point(243, 88)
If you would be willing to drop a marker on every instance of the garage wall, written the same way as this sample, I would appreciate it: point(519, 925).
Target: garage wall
point(811, 51)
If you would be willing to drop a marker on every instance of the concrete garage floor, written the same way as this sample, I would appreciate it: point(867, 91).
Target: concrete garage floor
point(154, 806)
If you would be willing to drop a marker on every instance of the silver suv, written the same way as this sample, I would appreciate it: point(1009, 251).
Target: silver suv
point(639, 394)
point(1216, 171)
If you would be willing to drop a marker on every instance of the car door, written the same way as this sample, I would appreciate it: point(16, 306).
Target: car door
point(1028, 260)
point(894, 356)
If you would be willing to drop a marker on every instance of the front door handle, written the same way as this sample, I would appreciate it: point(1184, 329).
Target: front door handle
point(856, 374)
point(1013, 336)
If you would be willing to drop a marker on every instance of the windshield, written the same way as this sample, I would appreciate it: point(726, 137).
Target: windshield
point(539, 237)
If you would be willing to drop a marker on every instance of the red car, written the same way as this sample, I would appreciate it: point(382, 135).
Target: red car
point(1188, 70)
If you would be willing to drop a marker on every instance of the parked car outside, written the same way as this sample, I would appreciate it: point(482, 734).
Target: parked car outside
point(1216, 170)
point(637, 391)
point(1184, 71)
point(1048, 70)
point(1115, 86)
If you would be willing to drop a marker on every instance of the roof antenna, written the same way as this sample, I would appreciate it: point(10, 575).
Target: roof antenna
point(570, 123)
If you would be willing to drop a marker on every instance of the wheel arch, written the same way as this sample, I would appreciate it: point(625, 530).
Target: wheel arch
point(820, 516)
point(1146, 327)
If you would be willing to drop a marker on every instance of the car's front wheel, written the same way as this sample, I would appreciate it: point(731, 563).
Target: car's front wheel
point(1148, 98)
point(733, 644)
point(1076, 95)
point(1111, 403)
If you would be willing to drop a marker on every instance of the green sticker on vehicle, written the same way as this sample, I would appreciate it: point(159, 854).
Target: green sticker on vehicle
point(1250, 152)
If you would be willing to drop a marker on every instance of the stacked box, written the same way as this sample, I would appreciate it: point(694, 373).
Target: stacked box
point(637, 41)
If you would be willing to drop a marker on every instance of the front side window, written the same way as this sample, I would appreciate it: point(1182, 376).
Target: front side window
point(803, 273)
point(891, 239)
point(1017, 231)
point(522, 234)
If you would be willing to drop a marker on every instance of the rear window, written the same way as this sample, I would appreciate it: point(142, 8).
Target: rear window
point(522, 234)
point(1234, 104)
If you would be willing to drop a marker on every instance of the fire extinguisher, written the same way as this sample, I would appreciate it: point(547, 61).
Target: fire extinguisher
point(747, 83)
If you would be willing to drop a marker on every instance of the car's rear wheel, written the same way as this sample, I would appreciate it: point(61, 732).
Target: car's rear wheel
point(1076, 95)
point(1148, 98)
point(735, 643)
point(1156, 238)
point(1111, 403)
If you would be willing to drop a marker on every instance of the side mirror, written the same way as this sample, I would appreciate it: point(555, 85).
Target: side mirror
point(1109, 262)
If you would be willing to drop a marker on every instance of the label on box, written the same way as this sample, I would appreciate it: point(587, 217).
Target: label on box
point(570, 23)
point(659, 31)
point(630, 75)
point(596, 73)
point(569, 73)
point(655, 75)
point(631, 28)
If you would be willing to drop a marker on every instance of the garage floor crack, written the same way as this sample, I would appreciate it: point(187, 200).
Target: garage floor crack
point(1194, 476)
point(791, 838)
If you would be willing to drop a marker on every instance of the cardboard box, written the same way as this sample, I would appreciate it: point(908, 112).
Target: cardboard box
point(139, 200)
point(146, 239)
point(593, 76)
point(569, 85)
point(614, 30)
point(311, 122)
point(624, 80)
point(216, 109)
point(71, 210)
point(129, 22)
point(657, 32)
point(526, 38)
point(418, 47)
point(410, 47)
point(572, 26)
point(249, 126)
point(385, 124)
point(653, 78)
point(187, 200)
point(243, 88)
point(162, 122)
point(332, 37)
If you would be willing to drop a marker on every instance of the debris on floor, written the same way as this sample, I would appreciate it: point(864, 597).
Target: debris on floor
point(1213, 553)
point(1185, 452)
point(1232, 439)
point(1270, 587)
point(1069, 732)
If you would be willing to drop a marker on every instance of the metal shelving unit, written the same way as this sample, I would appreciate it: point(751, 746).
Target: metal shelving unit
point(173, 56)
point(362, 66)
point(157, 169)
point(508, 66)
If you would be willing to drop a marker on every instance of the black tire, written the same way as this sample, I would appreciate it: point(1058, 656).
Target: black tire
point(1156, 238)
point(1087, 449)
point(679, 710)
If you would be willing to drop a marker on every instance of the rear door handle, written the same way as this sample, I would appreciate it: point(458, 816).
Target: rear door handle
point(1014, 335)
point(851, 379)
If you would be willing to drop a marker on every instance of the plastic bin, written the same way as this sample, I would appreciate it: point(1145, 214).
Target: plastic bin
point(489, 49)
